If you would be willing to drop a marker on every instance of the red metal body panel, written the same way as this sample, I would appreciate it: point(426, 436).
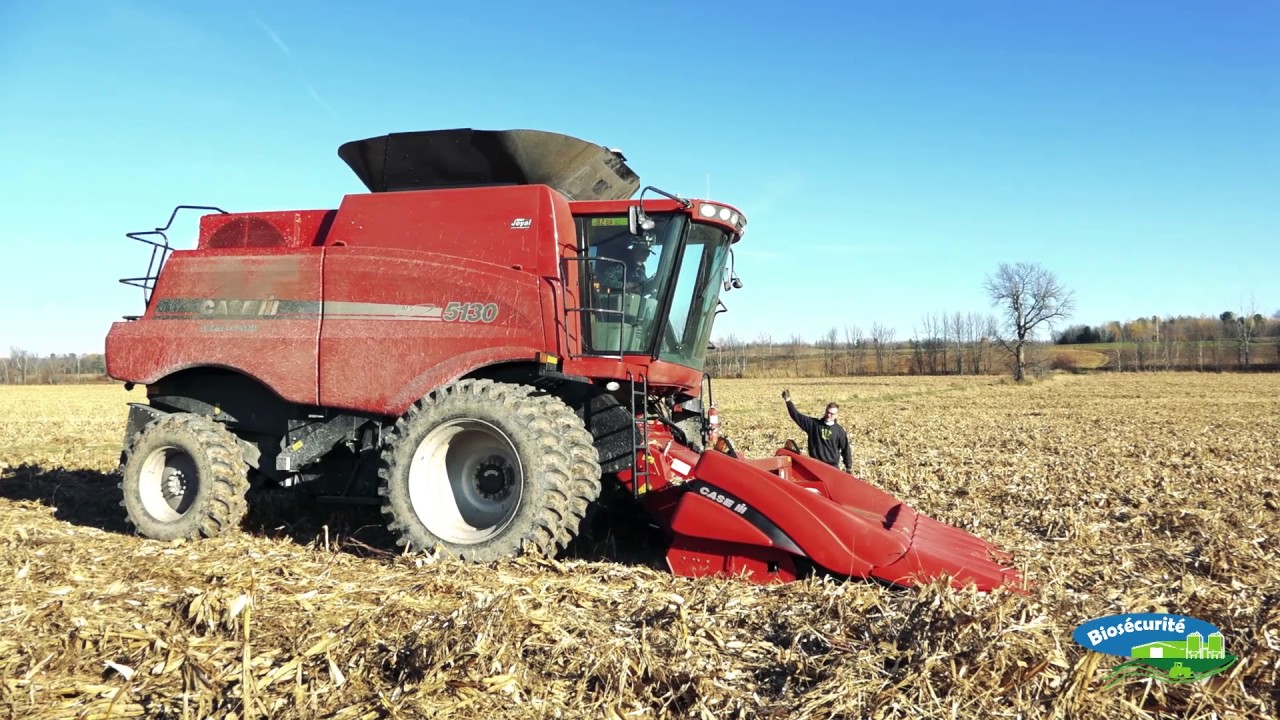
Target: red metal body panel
point(696, 557)
point(217, 308)
point(398, 324)
point(698, 517)
point(661, 374)
point(399, 263)
point(514, 227)
point(290, 229)
point(379, 331)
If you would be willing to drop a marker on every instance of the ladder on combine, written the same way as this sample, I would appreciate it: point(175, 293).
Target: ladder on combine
point(639, 433)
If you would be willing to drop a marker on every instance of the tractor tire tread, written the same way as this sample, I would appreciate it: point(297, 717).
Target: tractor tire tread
point(222, 506)
point(563, 470)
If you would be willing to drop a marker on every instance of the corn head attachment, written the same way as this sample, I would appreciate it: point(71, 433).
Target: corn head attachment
point(775, 518)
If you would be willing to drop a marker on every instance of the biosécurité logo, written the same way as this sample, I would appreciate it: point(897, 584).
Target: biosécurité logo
point(1171, 648)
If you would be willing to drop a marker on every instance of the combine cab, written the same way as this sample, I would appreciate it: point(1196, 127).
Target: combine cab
point(479, 344)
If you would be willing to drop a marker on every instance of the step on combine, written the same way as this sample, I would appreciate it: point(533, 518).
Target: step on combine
point(479, 344)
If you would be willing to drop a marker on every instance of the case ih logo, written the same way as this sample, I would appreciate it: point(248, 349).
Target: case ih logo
point(240, 308)
point(268, 307)
point(726, 500)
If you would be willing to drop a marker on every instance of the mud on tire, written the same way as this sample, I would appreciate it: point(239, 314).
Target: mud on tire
point(484, 470)
point(184, 477)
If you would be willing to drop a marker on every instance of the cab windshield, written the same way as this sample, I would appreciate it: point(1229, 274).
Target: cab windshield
point(659, 290)
point(693, 306)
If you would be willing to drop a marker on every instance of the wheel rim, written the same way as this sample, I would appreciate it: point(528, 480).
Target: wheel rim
point(168, 483)
point(465, 481)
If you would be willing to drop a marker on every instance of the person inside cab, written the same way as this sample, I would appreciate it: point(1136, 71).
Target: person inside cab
point(622, 260)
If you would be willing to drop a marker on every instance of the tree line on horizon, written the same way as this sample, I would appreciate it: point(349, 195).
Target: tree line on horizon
point(968, 344)
point(22, 367)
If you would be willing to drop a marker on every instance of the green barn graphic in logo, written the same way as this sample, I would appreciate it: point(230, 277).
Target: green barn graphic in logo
point(1170, 648)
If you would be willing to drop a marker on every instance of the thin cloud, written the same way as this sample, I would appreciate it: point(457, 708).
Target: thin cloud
point(316, 96)
point(288, 55)
point(275, 36)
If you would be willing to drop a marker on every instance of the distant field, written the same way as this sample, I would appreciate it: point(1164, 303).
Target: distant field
point(1070, 358)
point(1116, 493)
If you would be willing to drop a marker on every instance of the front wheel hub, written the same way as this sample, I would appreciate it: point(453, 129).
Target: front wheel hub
point(466, 481)
point(495, 479)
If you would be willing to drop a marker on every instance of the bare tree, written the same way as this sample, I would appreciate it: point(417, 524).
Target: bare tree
point(853, 337)
point(830, 343)
point(990, 329)
point(1247, 329)
point(1120, 334)
point(765, 341)
point(21, 361)
point(925, 351)
point(1029, 296)
point(730, 358)
point(882, 345)
point(856, 346)
point(957, 335)
point(793, 351)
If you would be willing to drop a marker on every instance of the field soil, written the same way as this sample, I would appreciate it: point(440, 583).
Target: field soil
point(1116, 494)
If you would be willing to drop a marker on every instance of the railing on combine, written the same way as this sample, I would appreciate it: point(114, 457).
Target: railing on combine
point(586, 309)
point(708, 401)
point(159, 252)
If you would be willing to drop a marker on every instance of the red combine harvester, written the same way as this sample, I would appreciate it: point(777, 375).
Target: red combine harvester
point(478, 344)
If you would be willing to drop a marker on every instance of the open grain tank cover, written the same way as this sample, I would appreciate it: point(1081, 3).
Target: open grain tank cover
point(471, 158)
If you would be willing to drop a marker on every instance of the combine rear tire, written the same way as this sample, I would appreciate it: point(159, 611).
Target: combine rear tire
point(483, 469)
point(184, 477)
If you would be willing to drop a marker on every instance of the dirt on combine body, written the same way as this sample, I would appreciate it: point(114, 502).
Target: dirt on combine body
point(479, 344)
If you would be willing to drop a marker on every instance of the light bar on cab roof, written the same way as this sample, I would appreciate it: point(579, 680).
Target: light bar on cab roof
point(722, 215)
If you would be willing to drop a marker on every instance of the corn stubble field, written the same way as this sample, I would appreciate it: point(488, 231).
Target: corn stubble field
point(1116, 494)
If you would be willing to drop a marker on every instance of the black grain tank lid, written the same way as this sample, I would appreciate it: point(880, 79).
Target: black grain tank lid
point(472, 158)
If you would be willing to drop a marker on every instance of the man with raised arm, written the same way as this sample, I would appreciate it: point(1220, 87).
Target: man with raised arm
point(828, 441)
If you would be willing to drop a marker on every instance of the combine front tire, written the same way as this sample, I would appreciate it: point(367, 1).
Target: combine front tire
point(483, 469)
point(184, 477)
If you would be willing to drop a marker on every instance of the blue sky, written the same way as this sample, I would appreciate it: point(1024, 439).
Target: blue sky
point(888, 155)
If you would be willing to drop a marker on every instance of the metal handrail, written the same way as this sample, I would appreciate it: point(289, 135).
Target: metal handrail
point(161, 249)
point(595, 310)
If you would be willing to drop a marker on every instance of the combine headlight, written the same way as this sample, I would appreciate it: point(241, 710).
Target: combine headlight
point(720, 213)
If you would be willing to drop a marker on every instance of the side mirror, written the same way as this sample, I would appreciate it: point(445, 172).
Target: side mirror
point(637, 222)
point(733, 282)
